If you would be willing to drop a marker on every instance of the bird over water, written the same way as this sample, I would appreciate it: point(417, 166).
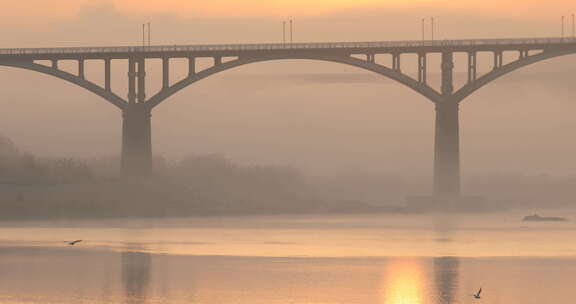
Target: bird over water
point(477, 295)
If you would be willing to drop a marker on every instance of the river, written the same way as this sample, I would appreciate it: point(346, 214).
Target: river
point(384, 259)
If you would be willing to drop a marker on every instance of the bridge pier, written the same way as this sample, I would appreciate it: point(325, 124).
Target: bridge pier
point(447, 137)
point(136, 141)
point(447, 152)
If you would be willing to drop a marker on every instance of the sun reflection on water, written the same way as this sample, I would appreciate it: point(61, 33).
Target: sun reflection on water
point(403, 282)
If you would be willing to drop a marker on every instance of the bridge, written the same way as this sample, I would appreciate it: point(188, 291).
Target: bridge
point(137, 107)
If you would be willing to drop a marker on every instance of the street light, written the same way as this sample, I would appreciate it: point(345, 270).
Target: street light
point(291, 31)
point(573, 27)
point(562, 35)
point(283, 33)
point(149, 43)
point(423, 31)
point(432, 29)
point(438, 28)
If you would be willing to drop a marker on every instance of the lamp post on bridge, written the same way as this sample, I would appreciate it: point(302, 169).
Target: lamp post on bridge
point(423, 31)
point(291, 32)
point(573, 26)
point(283, 33)
point(149, 43)
point(432, 28)
point(562, 31)
point(143, 35)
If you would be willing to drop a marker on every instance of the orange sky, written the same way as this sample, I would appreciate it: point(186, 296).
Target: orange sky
point(306, 142)
point(33, 11)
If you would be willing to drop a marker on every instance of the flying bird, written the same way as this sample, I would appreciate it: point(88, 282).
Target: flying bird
point(74, 242)
point(477, 295)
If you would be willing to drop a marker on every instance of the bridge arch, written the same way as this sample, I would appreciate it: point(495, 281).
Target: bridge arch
point(474, 86)
point(398, 76)
point(90, 86)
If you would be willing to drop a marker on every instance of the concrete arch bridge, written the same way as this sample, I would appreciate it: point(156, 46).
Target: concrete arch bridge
point(136, 107)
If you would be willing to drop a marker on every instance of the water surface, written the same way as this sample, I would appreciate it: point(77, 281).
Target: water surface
point(388, 259)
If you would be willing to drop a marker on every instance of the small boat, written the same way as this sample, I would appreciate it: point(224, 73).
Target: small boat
point(537, 218)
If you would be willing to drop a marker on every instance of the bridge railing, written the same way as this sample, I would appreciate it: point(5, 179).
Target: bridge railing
point(284, 46)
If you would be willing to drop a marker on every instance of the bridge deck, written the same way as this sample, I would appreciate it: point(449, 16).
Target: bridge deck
point(536, 42)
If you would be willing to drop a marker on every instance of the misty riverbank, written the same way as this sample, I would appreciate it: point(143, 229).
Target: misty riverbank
point(157, 198)
point(166, 198)
point(40, 188)
point(33, 187)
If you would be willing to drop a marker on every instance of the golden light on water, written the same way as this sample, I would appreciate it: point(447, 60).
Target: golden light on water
point(403, 282)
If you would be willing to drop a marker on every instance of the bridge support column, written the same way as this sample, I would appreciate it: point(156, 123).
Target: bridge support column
point(165, 73)
point(422, 65)
point(472, 69)
point(191, 66)
point(132, 81)
point(107, 74)
point(447, 139)
point(447, 151)
point(136, 141)
point(396, 62)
